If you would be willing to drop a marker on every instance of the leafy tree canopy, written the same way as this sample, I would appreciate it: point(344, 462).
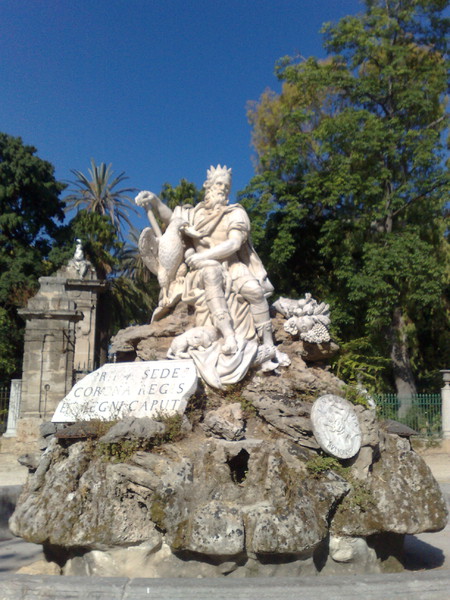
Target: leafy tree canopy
point(29, 195)
point(30, 209)
point(185, 192)
point(349, 196)
point(99, 238)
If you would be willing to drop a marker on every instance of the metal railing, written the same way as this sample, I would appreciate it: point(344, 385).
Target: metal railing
point(421, 412)
point(4, 403)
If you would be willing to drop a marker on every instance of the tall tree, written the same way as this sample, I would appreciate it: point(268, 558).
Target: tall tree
point(100, 243)
point(185, 192)
point(98, 193)
point(351, 185)
point(144, 287)
point(30, 209)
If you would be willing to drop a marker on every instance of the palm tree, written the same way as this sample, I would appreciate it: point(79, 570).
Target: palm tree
point(97, 194)
point(131, 263)
point(133, 269)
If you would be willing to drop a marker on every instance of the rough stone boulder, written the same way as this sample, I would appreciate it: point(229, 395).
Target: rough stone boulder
point(226, 422)
point(151, 342)
point(267, 502)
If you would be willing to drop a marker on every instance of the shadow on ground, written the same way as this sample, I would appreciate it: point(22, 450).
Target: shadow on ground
point(418, 555)
point(15, 553)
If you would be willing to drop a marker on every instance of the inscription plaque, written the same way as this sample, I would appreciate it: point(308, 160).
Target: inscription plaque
point(336, 426)
point(140, 389)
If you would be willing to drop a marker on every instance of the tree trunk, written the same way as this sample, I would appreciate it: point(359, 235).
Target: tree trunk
point(403, 375)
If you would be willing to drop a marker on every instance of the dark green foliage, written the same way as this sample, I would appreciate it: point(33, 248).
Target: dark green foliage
point(130, 295)
point(100, 242)
point(184, 193)
point(350, 197)
point(29, 194)
point(11, 340)
point(320, 465)
point(136, 281)
point(30, 209)
point(33, 243)
point(130, 302)
point(360, 362)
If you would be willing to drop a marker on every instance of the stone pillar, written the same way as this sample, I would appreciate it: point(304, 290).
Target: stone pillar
point(14, 408)
point(84, 293)
point(445, 393)
point(49, 349)
point(60, 338)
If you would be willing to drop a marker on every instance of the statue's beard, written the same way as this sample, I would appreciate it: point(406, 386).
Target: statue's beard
point(213, 199)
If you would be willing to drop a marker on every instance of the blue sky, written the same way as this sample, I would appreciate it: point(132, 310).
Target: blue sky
point(157, 88)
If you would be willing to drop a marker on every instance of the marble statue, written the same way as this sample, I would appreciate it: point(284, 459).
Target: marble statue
point(306, 318)
point(78, 261)
point(205, 258)
point(198, 338)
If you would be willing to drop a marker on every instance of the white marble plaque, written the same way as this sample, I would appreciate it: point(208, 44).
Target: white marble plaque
point(336, 426)
point(139, 389)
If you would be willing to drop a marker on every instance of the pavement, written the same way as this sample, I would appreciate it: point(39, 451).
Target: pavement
point(426, 551)
point(11, 472)
point(432, 550)
point(421, 585)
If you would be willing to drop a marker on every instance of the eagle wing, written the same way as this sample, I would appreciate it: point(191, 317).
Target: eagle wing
point(148, 248)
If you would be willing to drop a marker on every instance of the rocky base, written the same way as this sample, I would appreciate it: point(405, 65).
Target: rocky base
point(238, 487)
point(204, 506)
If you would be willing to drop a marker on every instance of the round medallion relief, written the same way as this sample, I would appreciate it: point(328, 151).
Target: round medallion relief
point(336, 426)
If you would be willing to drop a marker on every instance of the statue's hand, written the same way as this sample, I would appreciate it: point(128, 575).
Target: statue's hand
point(197, 261)
point(147, 200)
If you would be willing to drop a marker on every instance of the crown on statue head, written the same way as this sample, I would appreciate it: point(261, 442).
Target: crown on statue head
point(213, 172)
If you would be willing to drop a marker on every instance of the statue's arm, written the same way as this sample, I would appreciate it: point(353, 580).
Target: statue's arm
point(220, 252)
point(149, 200)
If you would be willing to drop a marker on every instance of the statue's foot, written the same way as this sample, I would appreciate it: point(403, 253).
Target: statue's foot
point(270, 358)
point(268, 366)
point(266, 353)
point(282, 358)
point(230, 345)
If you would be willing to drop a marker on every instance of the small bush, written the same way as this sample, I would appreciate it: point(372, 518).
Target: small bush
point(359, 495)
point(355, 396)
point(173, 432)
point(124, 449)
point(321, 464)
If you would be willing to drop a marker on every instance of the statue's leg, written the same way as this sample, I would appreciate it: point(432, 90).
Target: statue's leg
point(253, 293)
point(213, 282)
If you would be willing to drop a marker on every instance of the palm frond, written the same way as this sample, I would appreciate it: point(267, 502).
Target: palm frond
point(97, 193)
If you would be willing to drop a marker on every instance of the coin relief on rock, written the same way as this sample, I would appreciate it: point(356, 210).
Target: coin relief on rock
point(336, 426)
